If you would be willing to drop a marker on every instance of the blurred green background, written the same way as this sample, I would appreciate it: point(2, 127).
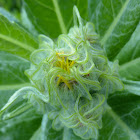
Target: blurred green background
point(13, 6)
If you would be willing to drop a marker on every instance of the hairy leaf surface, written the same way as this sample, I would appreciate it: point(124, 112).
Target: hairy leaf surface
point(12, 70)
point(122, 121)
point(131, 70)
point(115, 21)
point(131, 50)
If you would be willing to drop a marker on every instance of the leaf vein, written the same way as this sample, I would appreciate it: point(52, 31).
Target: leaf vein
point(16, 42)
point(59, 17)
point(121, 123)
point(14, 86)
point(114, 23)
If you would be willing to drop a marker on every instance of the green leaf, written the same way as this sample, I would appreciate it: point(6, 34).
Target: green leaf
point(15, 39)
point(20, 131)
point(115, 21)
point(122, 122)
point(7, 15)
point(69, 135)
point(27, 23)
point(13, 6)
point(132, 86)
point(92, 5)
point(18, 128)
point(56, 15)
point(131, 50)
point(17, 103)
point(131, 70)
point(45, 131)
point(12, 71)
point(10, 129)
point(4, 96)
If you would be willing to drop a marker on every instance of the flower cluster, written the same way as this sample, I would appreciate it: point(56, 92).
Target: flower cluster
point(76, 76)
point(71, 80)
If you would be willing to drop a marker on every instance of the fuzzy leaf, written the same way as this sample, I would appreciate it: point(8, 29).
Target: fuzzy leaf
point(132, 86)
point(131, 70)
point(4, 96)
point(45, 131)
point(12, 71)
point(10, 129)
point(122, 121)
point(115, 21)
point(131, 50)
point(17, 103)
point(18, 128)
